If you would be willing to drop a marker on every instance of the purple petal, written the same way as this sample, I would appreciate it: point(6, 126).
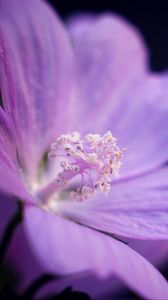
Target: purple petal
point(28, 267)
point(7, 145)
point(85, 249)
point(36, 77)
point(136, 208)
point(22, 259)
point(80, 24)
point(11, 184)
point(10, 175)
point(97, 288)
point(110, 56)
point(117, 90)
point(158, 257)
point(30, 270)
point(140, 124)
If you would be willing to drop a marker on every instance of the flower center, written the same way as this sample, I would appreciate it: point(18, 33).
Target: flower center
point(87, 165)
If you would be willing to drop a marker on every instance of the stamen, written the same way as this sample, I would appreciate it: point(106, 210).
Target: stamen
point(92, 161)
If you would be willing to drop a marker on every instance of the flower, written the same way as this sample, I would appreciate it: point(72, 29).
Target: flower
point(50, 87)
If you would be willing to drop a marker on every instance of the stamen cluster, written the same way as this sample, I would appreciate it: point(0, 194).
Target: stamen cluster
point(94, 160)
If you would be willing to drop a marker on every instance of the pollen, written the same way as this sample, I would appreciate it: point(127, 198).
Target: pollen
point(93, 160)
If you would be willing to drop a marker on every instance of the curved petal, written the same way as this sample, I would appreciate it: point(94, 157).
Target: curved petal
point(95, 287)
point(65, 247)
point(110, 55)
point(136, 208)
point(140, 124)
point(79, 25)
point(10, 175)
point(7, 145)
point(36, 75)
point(117, 91)
point(11, 184)
point(22, 259)
point(28, 267)
point(154, 251)
point(159, 257)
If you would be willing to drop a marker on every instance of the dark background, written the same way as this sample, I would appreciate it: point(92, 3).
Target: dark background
point(150, 17)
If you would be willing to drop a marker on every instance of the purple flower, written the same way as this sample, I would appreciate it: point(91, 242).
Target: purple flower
point(92, 80)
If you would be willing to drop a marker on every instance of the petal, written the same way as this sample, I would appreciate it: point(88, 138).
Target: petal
point(36, 78)
point(22, 259)
point(18, 255)
point(85, 249)
point(140, 124)
point(95, 287)
point(28, 268)
point(11, 184)
point(158, 257)
point(117, 91)
point(136, 208)
point(79, 25)
point(110, 56)
point(10, 175)
point(7, 145)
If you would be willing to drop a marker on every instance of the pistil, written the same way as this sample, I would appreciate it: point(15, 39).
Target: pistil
point(92, 161)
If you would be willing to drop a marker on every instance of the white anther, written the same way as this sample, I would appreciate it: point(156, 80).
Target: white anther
point(95, 158)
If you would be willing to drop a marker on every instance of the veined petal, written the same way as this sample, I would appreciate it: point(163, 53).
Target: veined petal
point(36, 78)
point(10, 175)
point(7, 145)
point(140, 124)
point(137, 208)
point(119, 92)
point(11, 184)
point(85, 249)
point(110, 55)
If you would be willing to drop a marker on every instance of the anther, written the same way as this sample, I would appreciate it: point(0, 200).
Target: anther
point(94, 159)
